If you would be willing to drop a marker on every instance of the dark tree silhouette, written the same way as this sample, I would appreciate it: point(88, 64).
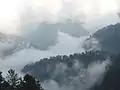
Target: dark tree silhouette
point(14, 82)
point(1, 79)
point(4, 85)
point(30, 83)
point(13, 79)
point(111, 80)
point(50, 65)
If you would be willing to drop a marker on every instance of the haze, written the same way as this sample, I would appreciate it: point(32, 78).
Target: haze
point(86, 11)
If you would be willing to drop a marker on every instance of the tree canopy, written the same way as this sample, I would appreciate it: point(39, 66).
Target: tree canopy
point(13, 82)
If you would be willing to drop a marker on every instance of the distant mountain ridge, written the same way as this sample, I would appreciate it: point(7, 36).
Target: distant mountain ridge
point(111, 79)
point(108, 38)
point(10, 44)
point(65, 69)
point(42, 36)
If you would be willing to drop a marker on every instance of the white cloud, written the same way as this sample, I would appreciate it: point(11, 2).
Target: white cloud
point(85, 10)
point(91, 75)
point(25, 22)
point(28, 55)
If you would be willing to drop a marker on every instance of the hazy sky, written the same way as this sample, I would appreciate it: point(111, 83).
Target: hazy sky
point(24, 16)
point(88, 11)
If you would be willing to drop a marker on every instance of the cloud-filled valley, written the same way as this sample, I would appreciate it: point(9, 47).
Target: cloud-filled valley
point(26, 55)
point(33, 30)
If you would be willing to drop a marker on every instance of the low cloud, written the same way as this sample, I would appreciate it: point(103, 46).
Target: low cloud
point(17, 60)
point(85, 80)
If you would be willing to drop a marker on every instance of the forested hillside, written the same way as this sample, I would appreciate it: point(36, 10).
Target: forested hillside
point(12, 81)
point(64, 68)
point(109, 38)
point(111, 80)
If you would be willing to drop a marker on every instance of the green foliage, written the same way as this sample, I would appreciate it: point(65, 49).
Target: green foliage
point(13, 79)
point(31, 84)
point(109, 38)
point(111, 80)
point(53, 67)
point(4, 85)
point(14, 82)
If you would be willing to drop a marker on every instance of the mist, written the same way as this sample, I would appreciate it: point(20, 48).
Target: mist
point(86, 78)
point(42, 28)
point(91, 13)
point(26, 55)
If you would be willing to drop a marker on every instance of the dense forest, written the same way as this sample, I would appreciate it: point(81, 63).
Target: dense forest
point(111, 80)
point(108, 38)
point(63, 69)
point(12, 81)
point(72, 69)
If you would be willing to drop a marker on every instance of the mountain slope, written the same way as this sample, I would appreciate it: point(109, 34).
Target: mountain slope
point(10, 44)
point(111, 80)
point(108, 38)
point(65, 69)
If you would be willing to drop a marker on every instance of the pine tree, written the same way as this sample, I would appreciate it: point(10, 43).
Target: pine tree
point(13, 79)
point(30, 83)
point(1, 81)
point(14, 82)
point(4, 85)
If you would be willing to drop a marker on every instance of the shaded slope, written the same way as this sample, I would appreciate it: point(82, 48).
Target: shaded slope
point(109, 38)
point(111, 80)
point(63, 69)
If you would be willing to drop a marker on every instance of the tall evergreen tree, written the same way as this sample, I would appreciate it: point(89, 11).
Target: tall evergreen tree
point(4, 85)
point(30, 83)
point(1, 79)
point(14, 82)
point(13, 79)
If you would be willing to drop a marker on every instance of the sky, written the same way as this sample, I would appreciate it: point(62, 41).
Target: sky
point(37, 22)
point(89, 12)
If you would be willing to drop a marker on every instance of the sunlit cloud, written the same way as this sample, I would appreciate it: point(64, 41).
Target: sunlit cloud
point(12, 10)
